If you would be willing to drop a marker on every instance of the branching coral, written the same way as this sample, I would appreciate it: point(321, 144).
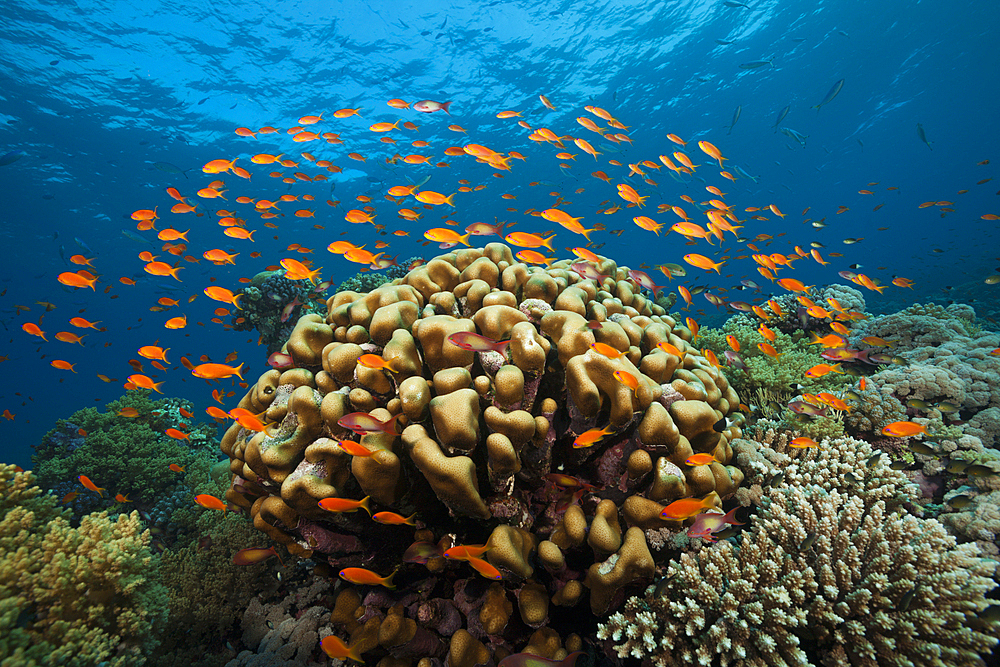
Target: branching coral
point(825, 574)
point(80, 596)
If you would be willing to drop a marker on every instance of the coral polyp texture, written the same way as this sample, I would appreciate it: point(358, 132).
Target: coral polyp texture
point(480, 444)
point(831, 572)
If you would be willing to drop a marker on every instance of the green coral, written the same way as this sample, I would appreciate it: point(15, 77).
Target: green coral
point(363, 282)
point(766, 373)
point(207, 593)
point(131, 456)
point(73, 596)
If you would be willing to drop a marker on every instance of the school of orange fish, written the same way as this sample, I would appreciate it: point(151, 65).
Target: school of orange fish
point(696, 221)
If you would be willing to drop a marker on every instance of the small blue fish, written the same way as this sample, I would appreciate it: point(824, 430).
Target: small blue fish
point(11, 157)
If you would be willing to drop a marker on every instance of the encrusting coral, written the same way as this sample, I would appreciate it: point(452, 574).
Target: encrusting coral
point(828, 574)
point(480, 444)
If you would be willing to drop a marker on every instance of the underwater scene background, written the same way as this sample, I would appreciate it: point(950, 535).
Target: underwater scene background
point(499, 333)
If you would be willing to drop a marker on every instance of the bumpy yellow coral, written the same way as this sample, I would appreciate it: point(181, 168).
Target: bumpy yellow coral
point(79, 596)
point(478, 431)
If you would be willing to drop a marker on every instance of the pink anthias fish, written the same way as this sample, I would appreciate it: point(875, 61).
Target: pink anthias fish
point(280, 361)
point(707, 523)
point(430, 106)
point(736, 361)
point(286, 312)
point(585, 270)
point(474, 342)
point(486, 229)
point(643, 279)
point(362, 423)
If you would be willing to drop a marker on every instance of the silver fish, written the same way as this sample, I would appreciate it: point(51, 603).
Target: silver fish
point(781, 117)
point(170, 168)
point(736, 117)
point(798, 136)
point(923, 135)
point(754, 64)
point(830, 95)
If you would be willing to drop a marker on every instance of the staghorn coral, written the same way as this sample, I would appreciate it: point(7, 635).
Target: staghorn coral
point(81, 596)
point(826, 575)
point(482, 433)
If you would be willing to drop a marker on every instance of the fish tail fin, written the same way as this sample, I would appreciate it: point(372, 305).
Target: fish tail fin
point(548, 243)
point(444, 107)
point(730, 517)
point(364, 505)
point(464, 238)
point(238, 369)
point(586, 233)
point(448, 200)
point(387, 581)
point(237, 297)
point(354, 652)
point(411, 520)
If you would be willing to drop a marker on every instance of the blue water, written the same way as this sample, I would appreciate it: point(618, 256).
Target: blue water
point(95, 93)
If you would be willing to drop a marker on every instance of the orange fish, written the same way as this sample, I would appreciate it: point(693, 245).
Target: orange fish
point(363, 577)
point(34, 330)
point(376, 362)
point(210, 502)
point(903, 429)
point(803, 442)
point(335, 648)
point(128, 412)
point(485, 568)
point(686, 508)
point(154, 352)
point(703, 262)
point(467, 551)
point(606, 350)
point(176, 322)
point(393, 519)
point(161, 269)
point(223, 295)
point(122, 499)
point(592, 437)
point(627, 379)
point(769, 350)
point(216, 371)
point(143, 382)
point(296, 270)
point(700, 460)
point(252, 555)
point(345, 505)
point(62, 365)
point(99, 490)
point(176, 435)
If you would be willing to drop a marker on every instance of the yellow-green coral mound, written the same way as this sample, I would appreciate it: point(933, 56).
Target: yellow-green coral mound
point(480, 445)
point(72, 596)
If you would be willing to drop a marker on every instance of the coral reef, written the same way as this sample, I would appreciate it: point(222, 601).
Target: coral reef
point(272, 304)
point(827, 574)
point(82, 596)
point(130, 455)
point(484, 452)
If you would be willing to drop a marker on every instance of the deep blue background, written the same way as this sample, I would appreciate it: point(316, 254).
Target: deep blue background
point(95, 92)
